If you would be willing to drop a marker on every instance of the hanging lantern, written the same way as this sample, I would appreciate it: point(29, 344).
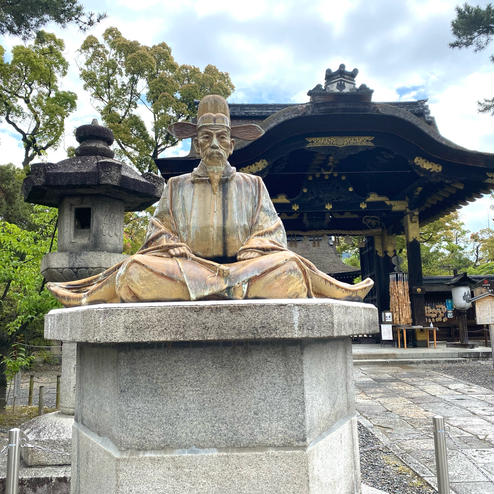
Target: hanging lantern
point(461, 297)
point(461, 291)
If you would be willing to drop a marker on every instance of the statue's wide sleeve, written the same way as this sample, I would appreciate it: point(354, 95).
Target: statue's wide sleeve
point(267, 231)
point(162, 229)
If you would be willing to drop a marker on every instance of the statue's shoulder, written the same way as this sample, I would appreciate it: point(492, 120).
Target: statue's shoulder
point(248, 177)
point(180, 179)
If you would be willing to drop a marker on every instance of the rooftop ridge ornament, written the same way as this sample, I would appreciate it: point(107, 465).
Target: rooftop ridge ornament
point(340, 80)
point(340, 84)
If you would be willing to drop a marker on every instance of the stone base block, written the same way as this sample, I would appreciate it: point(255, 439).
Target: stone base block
point(234, 397)
point(48, 440)
point(325, 466)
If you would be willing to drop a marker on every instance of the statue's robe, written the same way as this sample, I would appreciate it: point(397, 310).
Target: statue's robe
point(216, 227)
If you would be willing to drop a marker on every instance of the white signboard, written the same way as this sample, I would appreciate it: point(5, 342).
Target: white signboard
point(386, 332)
point(484, 310)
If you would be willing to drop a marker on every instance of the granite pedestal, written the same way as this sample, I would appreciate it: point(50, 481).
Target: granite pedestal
point(215, 397)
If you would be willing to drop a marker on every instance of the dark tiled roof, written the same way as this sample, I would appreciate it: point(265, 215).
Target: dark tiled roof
point(249, 112)
point(320, 252)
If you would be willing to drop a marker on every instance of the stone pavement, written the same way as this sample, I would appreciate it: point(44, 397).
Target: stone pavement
point(397, 402)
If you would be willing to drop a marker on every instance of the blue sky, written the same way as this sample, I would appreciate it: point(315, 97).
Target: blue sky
point(276, 50)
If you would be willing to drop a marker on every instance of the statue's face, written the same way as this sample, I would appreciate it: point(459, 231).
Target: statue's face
point(215, 144)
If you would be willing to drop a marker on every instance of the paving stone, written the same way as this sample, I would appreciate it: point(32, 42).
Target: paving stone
point(432, 480)
point(480, 455)
point(462, 469)
point(487, 411)
point(414, 445)
point(487, 398)
point(416, 465)
point(475, 425)
point(488, 469)
point(390, 423)
point(446, 409)
point(466, 401)
point(421, 397)
point(370, 408)
point(467, 388)
point(473, 442)
point(472, 487)
point(406, 435)
point(436, 389)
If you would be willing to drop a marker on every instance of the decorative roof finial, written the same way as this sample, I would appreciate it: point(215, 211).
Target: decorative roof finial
point(340, 82)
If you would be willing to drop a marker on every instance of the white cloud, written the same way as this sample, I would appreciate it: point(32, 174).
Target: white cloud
point(478, 214)
point(455, 109)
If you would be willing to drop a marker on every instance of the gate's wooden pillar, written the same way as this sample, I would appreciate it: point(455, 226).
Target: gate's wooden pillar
point(415, 280)
point(385, 249)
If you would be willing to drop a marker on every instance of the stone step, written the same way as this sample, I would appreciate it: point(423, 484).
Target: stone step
point(416, 354)
point(409, 361)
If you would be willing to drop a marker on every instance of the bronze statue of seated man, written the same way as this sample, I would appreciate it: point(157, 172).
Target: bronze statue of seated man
point(215, 235)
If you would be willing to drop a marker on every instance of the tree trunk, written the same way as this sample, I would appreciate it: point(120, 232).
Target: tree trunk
point(3, 385)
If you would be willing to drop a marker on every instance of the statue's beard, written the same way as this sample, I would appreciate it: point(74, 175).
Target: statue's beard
point(215, 162)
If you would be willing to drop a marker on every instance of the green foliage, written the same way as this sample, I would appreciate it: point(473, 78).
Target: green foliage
point(30, 99)
point(141, 90)
point(25, 236)
point(348, 248)
point(16, 360)
point(24, 18)
point(13, 208)
point(445, 245)
point(23, 300)
point(135, 227)
point(474, 26)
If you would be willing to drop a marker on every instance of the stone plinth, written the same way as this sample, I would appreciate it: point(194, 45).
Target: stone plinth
point(47, 440)
point(215, 397)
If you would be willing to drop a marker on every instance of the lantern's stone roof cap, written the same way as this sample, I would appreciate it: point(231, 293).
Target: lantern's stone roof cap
point(92, 171)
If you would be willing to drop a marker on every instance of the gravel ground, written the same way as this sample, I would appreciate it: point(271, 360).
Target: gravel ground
point(383, 470)
point(479, 372)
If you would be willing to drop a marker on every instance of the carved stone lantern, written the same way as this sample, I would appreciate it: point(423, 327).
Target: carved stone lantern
point(92, 192)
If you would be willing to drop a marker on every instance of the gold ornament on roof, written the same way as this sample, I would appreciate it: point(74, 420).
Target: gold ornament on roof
point(255, 167)
point(340, 141)
point(428, 165)
point(373, 197)
point(281, 198)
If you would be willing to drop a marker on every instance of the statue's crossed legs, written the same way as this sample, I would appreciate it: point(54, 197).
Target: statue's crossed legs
point(145, 278)
point(159, 277)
